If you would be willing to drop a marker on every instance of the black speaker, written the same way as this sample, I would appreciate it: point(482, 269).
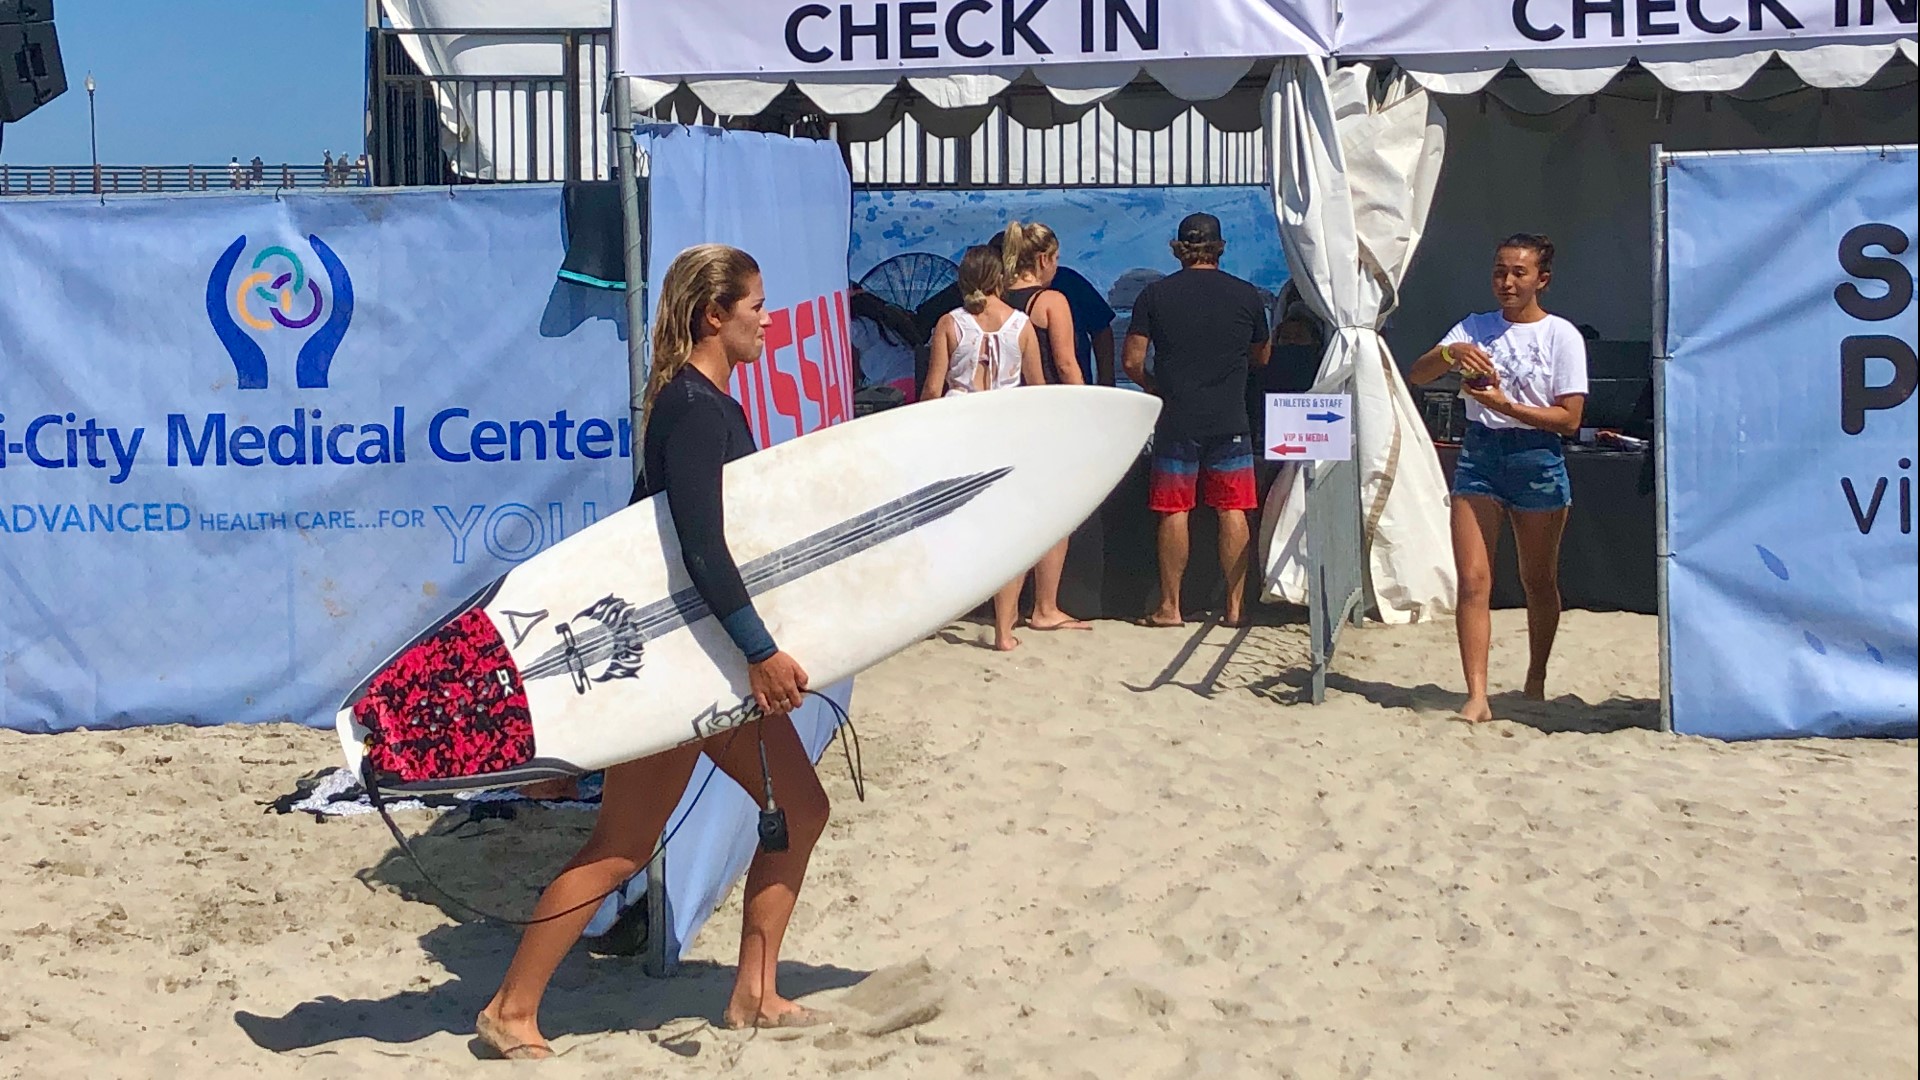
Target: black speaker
point(30, 70)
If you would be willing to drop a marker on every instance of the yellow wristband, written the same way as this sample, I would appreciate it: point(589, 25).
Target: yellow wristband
point(1447, 355)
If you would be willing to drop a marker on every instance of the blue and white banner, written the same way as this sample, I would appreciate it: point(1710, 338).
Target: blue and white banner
point(754, 39)
point(1655, 29)
point(787, 203)
point(1789, 432)
point(248, 444)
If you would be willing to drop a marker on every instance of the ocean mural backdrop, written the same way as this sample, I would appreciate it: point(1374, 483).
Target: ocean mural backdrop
point(1115, 237)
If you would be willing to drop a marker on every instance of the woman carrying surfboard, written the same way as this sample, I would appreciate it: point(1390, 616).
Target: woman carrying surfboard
point(1032, 255)
point(985, 345)
point(712, 318)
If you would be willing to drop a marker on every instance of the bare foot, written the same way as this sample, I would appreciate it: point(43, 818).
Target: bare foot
point(1005, 643)
point(514, 1042)
point(565, 789)
point(777, 1013)
point(1161, 620)
point(1536, 688)
point(1234, 620)
point(1056, 620)
point(1475, 711)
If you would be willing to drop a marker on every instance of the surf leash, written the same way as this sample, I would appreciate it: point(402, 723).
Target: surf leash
point(372, 786)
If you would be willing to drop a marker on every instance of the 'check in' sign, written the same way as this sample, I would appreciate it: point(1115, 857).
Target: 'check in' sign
point(1309, 427)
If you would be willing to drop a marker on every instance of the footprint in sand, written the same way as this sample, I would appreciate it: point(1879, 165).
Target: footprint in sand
point(889, 1000)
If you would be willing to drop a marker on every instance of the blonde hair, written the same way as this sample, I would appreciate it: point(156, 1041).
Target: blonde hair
point(1023, 245)
point(982, 276)
point(701, 278)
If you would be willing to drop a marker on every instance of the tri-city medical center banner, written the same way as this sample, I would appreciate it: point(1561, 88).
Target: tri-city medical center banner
point(251, 444)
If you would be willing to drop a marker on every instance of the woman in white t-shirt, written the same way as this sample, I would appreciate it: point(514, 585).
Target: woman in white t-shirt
point(1524, 373)
point(986, 345)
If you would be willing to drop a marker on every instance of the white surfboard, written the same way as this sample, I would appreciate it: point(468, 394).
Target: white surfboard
point(854, 541)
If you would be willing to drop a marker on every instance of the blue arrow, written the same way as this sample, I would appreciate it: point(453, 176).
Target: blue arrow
point(1325, 417)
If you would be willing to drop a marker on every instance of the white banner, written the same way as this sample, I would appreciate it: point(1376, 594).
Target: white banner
point(1309, 427)
point(1492, 27)
point(761, 39)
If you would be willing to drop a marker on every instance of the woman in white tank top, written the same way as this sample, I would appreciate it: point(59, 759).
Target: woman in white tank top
point(985, 345)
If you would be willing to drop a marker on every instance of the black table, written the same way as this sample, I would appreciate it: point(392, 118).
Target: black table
point(1607, 557)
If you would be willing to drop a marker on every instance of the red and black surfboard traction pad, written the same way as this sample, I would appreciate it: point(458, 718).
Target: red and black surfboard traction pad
point(440, 710)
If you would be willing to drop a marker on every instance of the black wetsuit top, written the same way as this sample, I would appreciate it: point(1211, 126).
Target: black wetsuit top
point(1021, 300)
point(693, 431)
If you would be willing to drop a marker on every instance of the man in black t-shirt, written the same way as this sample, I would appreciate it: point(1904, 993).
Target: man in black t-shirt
point(1207, 328)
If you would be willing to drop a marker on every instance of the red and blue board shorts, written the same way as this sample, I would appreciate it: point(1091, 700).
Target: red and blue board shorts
point(1220, 468)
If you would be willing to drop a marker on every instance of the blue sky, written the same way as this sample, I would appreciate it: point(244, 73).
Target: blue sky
point(200, 81)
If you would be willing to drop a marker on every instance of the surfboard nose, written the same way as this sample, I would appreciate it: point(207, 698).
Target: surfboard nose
point(353, 739)
point(1122, 413)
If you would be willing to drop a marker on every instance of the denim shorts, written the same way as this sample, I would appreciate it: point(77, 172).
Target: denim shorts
point(1522, 468)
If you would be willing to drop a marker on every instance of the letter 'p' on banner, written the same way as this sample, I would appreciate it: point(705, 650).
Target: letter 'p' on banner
point(1789, 427)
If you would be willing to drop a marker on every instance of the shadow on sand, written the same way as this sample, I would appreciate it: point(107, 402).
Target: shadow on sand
point(589, 995)
point(1566, 714)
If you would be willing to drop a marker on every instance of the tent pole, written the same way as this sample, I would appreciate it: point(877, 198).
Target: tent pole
point(1662, 555)
point(662, 955)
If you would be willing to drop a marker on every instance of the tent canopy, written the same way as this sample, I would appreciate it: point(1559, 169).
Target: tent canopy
point(737, 56)
point(1575, 47)
point(1353, 171)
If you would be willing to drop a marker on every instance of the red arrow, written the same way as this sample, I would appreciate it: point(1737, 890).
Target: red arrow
point(1285, 448)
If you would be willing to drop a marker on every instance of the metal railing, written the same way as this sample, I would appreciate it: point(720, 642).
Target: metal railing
point(134, 179)
point(1336, 552)
point(450, 128)
point(1096, 150)
point(473, 128)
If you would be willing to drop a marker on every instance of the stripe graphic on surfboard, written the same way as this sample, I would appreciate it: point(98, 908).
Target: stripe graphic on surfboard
point(620, 630)
point(453, 704)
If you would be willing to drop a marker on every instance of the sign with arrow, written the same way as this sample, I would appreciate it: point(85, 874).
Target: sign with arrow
point(1309, 427)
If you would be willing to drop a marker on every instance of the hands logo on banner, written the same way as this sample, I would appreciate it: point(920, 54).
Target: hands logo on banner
point(290, 298)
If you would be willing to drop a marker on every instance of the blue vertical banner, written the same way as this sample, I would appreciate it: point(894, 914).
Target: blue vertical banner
point(250, 444)
point(788, 203)
point(1789, 429)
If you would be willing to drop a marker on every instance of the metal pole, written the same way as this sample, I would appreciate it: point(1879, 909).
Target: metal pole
point(93, 134)
point(662, 957)
point(571, 98)
point(1661, 552)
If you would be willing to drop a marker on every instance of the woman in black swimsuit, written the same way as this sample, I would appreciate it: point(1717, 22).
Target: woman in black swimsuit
point(712, 319)
point(1032, 254)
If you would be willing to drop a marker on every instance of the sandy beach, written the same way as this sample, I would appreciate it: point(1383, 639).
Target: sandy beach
point(1122, 853)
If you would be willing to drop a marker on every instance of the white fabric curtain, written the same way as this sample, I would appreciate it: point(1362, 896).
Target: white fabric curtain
point(1354, 171)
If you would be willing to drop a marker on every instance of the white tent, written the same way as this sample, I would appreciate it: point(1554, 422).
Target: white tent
point(1356, 159)
point(502, 95)
point(1563, 150)
point(1357, 148)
